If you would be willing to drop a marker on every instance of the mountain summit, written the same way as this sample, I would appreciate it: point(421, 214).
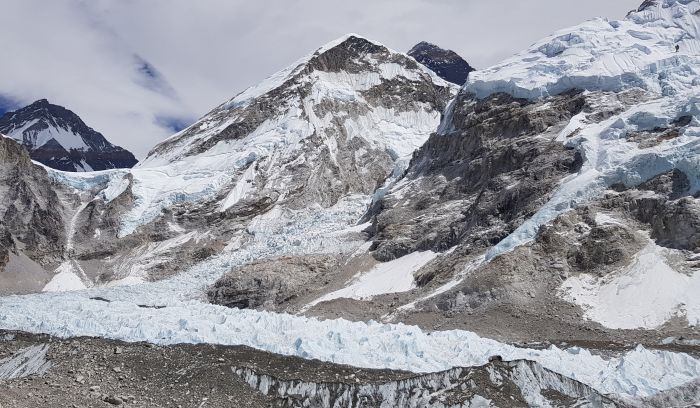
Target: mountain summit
point(58, 138)
point(447, 64)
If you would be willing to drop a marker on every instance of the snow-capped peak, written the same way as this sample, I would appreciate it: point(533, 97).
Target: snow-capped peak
point(58, 138)
point(40, 123)
point(351, 41)
point(639, 51)
point(340, 70)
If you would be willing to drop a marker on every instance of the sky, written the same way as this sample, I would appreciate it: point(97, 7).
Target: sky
point(139, 70)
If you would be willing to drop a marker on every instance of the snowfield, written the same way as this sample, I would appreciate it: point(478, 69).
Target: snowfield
point(387, 277)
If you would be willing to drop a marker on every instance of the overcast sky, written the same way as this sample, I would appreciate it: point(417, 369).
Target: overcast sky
point(136, 70)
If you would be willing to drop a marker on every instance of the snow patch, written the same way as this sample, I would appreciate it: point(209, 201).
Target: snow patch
point(387, 277)
point(646, 294)
point(65, 279)
point(242, 187)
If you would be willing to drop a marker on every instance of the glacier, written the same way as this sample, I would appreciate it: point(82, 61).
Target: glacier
point(636, 373)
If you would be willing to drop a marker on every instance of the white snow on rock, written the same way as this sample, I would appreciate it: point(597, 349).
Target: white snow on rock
point(638, 51)
point(65, 137)
point(602, 218)
point(609, 158)
point(242, 187)
point(388, 277)
point(278, 79)
point(646, 294)
point(601, 55)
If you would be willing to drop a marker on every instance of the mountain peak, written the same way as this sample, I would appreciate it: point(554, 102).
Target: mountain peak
point(447, 64)
point(346, 53)
point(58, 138)
point(350, 73)
point(347, 41)
point(423, 45)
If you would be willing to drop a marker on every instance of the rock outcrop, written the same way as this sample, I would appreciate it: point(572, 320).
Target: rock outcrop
point(491, 166)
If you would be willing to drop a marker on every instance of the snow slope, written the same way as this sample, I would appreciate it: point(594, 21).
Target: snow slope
point(65, 279)
point(67, 138)
point(288, 129)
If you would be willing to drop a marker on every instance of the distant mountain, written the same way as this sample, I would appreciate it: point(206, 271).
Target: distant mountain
point(58, 138)
point(447, 64)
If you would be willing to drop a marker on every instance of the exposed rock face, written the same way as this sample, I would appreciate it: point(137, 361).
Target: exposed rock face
point(447, 64)
point(665, 204)
point(598, 245)
point(490, 167)
point(58, 138)
point(31, 221)
point(519, 383)
point(602, 239)
point(271, 282)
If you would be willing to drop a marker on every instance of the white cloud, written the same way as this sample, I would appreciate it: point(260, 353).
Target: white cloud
point(83, 54)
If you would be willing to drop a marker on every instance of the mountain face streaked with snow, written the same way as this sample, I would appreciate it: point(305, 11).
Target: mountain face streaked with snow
point(58, 138)
point(357, 209)
point(447, 64)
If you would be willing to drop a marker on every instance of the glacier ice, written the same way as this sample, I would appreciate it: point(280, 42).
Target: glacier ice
point(605, 55)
